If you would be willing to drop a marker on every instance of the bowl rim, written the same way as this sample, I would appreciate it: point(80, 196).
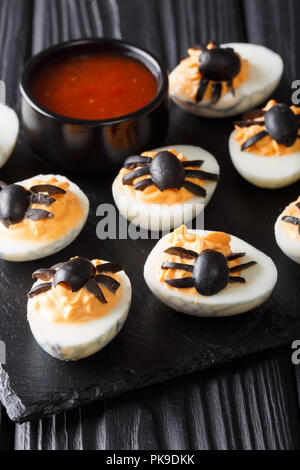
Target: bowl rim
point(33, 61)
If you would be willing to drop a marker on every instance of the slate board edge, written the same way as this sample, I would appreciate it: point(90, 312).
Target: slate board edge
point(59, 402)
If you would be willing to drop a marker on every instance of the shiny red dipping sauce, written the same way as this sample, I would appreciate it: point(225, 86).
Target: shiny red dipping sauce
point(94, 85)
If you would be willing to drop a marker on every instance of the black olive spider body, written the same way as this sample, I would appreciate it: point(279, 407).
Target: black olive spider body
point(78, 273)
point(15, 202)
point(166, 171)
point(210, 272)
point(217, 65)
point(292, 219)
point(280, 123)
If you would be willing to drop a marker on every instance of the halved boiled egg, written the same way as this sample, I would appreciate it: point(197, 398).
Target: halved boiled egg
point(9, 125)
point(265, 149)
point(76, 308)
point(208, 274)
point(225, 80)
point(287, 231)
point(40, 216)
point(165, 187)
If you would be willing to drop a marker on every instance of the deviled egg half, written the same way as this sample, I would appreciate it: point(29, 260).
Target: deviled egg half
point(225, 80)
point(76, 308)
point(265, 148)
point(287, 231)
point(40, 216)
point(9, 125)
point(209, 274)
point(163, 188)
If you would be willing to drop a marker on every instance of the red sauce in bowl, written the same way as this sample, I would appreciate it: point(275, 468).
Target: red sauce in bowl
point(94, 85)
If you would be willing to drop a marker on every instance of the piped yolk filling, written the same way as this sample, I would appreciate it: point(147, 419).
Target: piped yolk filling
point(266, 147)
point(61, 305)
point(66, 209)
point(218, 241)
point(185, 79)
point(152, 194)
point(293, 211)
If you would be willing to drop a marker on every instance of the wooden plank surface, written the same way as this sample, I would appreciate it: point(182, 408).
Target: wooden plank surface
point(251, 403)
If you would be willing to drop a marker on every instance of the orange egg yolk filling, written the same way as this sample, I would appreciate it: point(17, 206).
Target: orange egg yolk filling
point(185, 79)
point(218, 241)
point(152, 194)
point(266, 147)
point(66, 209)
point(61, 305)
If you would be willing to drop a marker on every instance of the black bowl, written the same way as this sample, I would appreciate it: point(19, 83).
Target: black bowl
point(92, 146)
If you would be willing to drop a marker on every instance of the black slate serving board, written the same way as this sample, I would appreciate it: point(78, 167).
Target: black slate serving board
point(156, 343)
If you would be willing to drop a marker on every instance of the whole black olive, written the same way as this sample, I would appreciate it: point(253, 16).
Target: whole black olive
point(167, 171)
point(14, 202)
point(75, 273)
point(282, 124)
point(211, 272)
point(219, 64)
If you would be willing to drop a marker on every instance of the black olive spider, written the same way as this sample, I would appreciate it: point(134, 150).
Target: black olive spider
point(78, 273)
point(210, 272)
point(292, 219)
point(15, 202)
point(166, 172)
point(280, 123)
point(217, 65)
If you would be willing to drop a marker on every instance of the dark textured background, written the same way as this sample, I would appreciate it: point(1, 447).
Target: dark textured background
point(250, 403)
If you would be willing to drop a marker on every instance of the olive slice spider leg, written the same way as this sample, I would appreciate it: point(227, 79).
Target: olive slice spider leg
point(230, 87)
point(204, 175)
point(141, 185)
point(109, 268)
point(107, 281)
point(44, 274)
point(253, 114)
point(194, 188)
point(216, 92)
point(202, 89)
point(38, 214)
point(57, 266)
point(290, 219)
point(46, 188)
point(39, 289)
point(189, 163)
point(241, 267)
point(94, 289)
point(249, 123)
point(181, 283)
point(249, 142)
point(236, 279)
point(132, 175)
point(182, 252)
point(136, 160)
point(233, 256)
point(184, 267)
point(41, 198)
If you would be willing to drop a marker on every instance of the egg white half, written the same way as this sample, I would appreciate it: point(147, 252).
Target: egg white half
point(265, 72)
point(74, 341)
point(163, 216)
point(289, 246)
point(234, 299)
point(23, 250)
point(265, 171)
point(9, 125)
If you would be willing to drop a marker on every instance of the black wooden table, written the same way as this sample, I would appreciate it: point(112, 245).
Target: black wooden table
point(251, 403)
